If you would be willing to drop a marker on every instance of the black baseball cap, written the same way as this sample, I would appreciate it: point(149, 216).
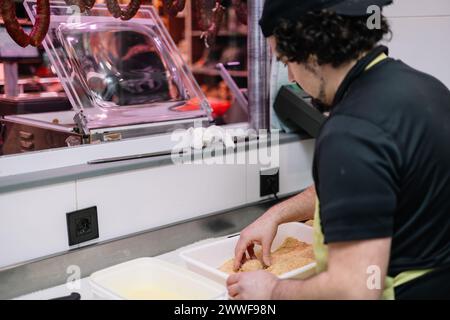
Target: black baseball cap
point(275, 10)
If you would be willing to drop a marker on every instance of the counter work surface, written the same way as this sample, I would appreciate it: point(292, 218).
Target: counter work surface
point(83, 286)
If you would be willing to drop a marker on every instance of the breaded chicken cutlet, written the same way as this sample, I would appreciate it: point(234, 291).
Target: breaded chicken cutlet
point(291, 254)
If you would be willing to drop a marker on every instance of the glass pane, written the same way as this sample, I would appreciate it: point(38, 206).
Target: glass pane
point(122, 65)
point(228, 47)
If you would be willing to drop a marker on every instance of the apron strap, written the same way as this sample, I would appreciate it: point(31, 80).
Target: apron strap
point(391, 283)
point(378, 59)
point(319, 247)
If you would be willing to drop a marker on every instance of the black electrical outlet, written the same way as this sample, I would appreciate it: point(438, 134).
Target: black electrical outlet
point(269, 182)
point(82, 225)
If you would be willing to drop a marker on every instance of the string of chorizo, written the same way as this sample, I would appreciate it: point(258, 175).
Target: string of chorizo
point(129, 12)
point(209, 35)
point(174, 6)
point(15, 30)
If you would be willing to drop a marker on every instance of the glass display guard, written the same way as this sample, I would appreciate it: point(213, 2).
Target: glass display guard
point(118, 73)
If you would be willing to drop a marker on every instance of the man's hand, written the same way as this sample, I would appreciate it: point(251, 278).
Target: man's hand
point(356, 270)
point(261, 232)
point(257, 285)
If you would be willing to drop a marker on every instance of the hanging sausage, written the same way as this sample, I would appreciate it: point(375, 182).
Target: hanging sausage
point(15, 30)
point(209, 15)
point(174, 6)
point(126, 14)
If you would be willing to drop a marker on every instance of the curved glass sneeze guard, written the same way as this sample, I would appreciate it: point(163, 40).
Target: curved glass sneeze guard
point(121, 73)
point(120, 66)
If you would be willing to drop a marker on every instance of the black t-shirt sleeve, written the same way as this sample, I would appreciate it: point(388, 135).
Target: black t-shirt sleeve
point(357, 166)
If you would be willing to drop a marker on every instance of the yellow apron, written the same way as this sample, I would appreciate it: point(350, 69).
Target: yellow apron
point(321, 255)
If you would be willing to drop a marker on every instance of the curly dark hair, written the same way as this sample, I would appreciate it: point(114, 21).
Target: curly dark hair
point(333, 38)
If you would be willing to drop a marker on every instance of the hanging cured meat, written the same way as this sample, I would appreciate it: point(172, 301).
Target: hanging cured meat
point(209, 15)
point(126, 14)
point(15, 30)
point(174, 6)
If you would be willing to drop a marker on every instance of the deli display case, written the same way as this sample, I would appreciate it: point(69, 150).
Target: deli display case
point(124, 79)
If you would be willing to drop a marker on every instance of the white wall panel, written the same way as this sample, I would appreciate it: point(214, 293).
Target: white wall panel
point(415, 8)
point(423, 43)
point(295, 169)
point(296, 163)
point(33, 222)
point(139, 200)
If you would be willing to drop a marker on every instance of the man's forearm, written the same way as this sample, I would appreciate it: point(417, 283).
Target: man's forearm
point(297, 208)
point(348, 275)
point(311, 289)
point(322, 287)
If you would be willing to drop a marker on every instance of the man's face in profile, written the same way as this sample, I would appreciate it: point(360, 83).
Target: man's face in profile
point(307, 76)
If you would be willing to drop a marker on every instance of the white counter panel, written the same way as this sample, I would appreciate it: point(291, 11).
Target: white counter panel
point(143, 199)
point(33, 222)
point(295, 170)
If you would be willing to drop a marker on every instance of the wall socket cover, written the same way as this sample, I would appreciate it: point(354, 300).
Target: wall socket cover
point(269, 182)
point(82, 225)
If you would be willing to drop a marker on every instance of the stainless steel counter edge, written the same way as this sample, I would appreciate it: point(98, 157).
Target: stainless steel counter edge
point(83, 171)
point(52, 271)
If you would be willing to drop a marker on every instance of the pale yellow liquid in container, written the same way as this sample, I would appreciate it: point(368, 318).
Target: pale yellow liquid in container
point(155, 293)
point(150, 279)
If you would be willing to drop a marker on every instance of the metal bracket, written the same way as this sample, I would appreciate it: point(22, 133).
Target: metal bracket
point(81, 122)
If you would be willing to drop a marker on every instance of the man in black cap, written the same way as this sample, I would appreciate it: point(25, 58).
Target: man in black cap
point(381, 198)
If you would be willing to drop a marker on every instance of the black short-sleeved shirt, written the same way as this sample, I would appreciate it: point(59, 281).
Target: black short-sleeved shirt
point(382, 163)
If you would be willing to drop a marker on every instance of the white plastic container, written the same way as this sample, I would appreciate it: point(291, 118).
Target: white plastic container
point(153, 279)
point(206, 259)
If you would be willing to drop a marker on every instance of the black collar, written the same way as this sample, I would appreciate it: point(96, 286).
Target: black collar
point(356, 71)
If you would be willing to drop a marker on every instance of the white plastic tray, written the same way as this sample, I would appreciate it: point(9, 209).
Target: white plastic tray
point(153, 279)
point(206, 259)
